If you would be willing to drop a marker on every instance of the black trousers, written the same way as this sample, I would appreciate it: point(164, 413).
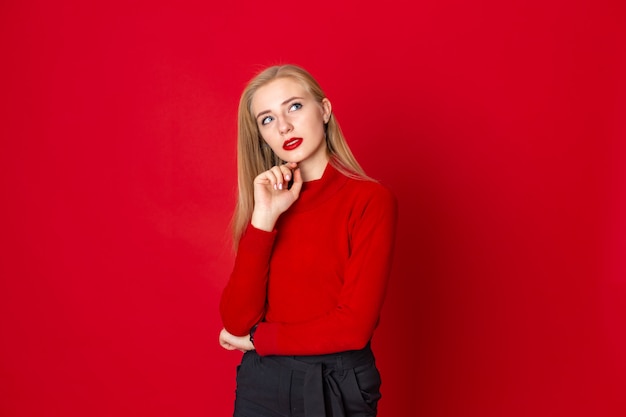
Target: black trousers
point(345, 384)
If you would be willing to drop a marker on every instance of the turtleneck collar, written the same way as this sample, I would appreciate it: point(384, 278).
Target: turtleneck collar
point(316, 192)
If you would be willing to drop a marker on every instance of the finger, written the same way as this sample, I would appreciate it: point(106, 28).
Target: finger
point(267, 178)
point(280, 177)
point(286, 170)
point(222, 339)
point(226, 345)
point(229, 346)
point(297, 183)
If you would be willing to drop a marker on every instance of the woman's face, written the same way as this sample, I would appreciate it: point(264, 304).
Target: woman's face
point(291, 122)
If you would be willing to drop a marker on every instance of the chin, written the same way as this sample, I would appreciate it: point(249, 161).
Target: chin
point(291, 158)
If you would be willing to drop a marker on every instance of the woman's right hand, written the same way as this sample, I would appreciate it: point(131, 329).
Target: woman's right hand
point(271, 196)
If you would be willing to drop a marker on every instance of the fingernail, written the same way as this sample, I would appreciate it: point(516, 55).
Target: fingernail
point(280, 186)
point(275, 187)
point(287, 177)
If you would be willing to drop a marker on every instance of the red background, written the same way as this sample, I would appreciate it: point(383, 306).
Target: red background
point(500, 126)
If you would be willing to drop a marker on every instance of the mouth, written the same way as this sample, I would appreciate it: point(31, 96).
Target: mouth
point(291, 144)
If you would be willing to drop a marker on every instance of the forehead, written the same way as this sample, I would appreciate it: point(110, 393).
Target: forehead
point(274, 93)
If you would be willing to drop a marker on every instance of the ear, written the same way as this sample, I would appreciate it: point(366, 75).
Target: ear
point(327, 110)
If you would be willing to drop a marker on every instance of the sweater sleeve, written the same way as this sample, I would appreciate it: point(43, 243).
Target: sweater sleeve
point(350, 325)
point(244, 298)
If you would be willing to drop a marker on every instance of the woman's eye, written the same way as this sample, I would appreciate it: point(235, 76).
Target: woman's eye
point(295, 106)
point(266, 120)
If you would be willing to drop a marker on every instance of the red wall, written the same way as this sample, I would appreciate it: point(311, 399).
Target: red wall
point(499, 125)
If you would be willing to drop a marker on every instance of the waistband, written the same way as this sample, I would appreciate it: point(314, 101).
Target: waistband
point(334, 361)
point(321, 390)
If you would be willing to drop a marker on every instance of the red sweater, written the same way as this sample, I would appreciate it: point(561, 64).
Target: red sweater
point(317, 282)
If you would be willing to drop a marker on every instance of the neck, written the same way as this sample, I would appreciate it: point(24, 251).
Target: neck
point(313, 170)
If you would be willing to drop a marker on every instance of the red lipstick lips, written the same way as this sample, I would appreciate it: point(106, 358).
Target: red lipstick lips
point(291, 144)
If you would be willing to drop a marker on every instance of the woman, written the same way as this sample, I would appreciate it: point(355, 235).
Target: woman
point(314, 238)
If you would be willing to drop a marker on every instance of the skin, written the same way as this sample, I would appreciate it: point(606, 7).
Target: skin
point(284, 109)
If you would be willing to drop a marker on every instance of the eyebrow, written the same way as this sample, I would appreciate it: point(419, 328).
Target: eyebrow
point(282, 104)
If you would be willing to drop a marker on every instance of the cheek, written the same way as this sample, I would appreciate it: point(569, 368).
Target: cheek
point(272, 143)
point(265, 135)
point(268, 139)
point(318, 127)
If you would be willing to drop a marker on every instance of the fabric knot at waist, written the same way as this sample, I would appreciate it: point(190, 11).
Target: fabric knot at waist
point(322, 394)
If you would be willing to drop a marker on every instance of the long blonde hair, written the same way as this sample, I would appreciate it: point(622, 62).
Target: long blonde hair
point(254, 157)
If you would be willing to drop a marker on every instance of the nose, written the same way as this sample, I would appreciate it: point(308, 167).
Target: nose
point(284, 126)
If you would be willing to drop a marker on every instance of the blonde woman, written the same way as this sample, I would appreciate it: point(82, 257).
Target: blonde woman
point(314, 238)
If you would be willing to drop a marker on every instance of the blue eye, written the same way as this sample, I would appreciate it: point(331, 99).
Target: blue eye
point(266, 120)
point(295, 106)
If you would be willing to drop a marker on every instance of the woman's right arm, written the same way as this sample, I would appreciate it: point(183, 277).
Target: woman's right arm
point(244, 298)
